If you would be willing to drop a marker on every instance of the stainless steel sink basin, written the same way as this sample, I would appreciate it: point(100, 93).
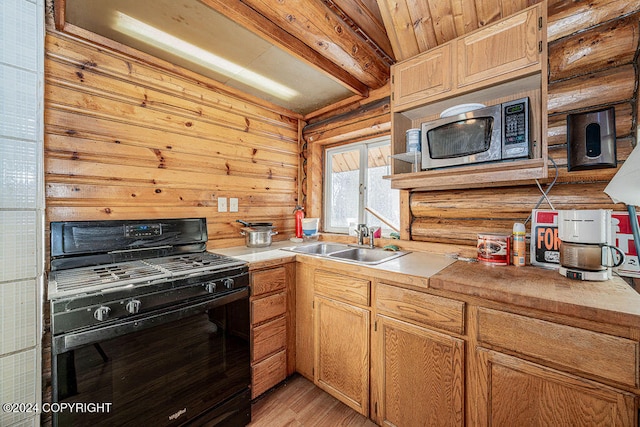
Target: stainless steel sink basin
point(358, 255)
point(319, 248)
point(366, 255)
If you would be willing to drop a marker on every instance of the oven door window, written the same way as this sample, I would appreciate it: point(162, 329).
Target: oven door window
point(461, 138)
point(165, 375)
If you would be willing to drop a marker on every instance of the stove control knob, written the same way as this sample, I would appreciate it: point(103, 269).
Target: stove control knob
point(102, 313)
point(210, 287)
point(133, 306)
point(228, 283)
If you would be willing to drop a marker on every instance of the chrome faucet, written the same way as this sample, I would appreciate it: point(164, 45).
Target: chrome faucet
point(362, 231)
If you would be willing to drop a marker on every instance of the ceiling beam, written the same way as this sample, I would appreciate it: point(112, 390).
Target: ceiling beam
point(317, 26)
point(365, 19)
point(253, 21)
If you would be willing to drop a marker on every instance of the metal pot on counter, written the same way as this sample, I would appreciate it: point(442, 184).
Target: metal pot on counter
point(257, 234)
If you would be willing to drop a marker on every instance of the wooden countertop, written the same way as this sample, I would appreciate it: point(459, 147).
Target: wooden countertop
point(612, 301)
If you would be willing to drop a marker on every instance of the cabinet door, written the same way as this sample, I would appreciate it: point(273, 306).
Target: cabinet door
point(514, 392)
point(418, 375)
point(424, 76)
point(304, 320)
point(499, 49)
point(341, 333)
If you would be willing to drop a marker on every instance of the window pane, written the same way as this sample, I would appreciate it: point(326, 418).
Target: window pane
point(344, 186)
point(380, 197)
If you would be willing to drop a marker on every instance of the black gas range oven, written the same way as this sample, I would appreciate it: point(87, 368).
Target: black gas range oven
point(148, 328)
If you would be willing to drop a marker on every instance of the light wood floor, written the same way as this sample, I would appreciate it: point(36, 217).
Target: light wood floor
point(297, 402)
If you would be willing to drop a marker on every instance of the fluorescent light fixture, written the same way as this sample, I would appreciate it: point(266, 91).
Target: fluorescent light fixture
point(132, 27)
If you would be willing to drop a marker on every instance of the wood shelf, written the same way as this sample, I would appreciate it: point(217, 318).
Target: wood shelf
point(481, 175)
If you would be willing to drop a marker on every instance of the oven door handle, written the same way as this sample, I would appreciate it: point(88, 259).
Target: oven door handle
point(66, 342)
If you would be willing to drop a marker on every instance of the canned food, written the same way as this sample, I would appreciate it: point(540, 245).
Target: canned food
point(413, 140)
point(494, 249)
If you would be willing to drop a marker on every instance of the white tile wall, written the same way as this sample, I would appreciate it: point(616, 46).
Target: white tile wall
point(18, 326)
point(19, 44)
point(18, 240)
point(21, 205)
point(19, 384)
point(18, 174)
point(19, 103)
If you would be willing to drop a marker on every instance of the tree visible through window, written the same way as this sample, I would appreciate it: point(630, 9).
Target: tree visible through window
point(353, 182)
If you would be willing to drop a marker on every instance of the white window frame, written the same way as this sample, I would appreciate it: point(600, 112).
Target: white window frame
point(363, 147)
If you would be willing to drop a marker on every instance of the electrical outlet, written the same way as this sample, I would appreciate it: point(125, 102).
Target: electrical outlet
point(233, 204)
point(222, 204)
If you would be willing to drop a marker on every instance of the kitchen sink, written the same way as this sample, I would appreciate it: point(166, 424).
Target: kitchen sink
point(358, 255)
point(319, 248)
point(366, 255)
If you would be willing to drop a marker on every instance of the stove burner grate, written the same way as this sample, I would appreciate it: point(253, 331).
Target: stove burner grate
point(87, 279)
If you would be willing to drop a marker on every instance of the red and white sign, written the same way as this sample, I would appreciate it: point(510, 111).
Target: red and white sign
point(624, 241)
point(545, 244)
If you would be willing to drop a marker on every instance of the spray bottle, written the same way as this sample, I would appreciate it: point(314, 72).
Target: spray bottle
point(519, 246)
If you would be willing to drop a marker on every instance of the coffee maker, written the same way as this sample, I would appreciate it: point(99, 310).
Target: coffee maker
point(587, 251)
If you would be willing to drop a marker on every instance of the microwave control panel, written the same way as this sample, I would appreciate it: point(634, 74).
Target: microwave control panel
point(515, 129)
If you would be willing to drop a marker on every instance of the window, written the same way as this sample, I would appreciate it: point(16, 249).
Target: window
point(353, 182)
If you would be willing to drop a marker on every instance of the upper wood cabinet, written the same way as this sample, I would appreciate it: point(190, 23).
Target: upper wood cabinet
point(424, 76)
point(500, 62)
point(493, 52)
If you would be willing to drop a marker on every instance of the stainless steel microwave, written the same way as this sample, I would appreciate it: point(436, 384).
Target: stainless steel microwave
point(495, 133)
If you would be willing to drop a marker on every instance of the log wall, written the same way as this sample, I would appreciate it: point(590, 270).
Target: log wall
point(125, 139)
point(590, 67)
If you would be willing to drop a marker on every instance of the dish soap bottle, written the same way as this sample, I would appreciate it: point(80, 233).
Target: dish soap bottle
point(299, 214)
point(519, 247)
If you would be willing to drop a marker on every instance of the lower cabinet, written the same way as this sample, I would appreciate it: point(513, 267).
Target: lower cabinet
point(341, 330)
point(341, 365)
point(532, 371)
point(408, 356)
point(418, 374)
point(270, 329)
point(514, 392)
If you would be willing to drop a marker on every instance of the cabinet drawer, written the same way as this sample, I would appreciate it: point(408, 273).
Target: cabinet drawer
point(345, 288)
point(268, 338)
point(267, 373)
point(421, 308)
point(268, 307)
point(264, 281)
point(593, 353)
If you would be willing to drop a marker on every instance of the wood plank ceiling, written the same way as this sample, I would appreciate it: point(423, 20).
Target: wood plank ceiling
point(362, 38)
point(353, 42)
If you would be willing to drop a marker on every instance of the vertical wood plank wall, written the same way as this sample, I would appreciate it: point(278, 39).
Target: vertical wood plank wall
point(589, 68)
point(128, 140)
